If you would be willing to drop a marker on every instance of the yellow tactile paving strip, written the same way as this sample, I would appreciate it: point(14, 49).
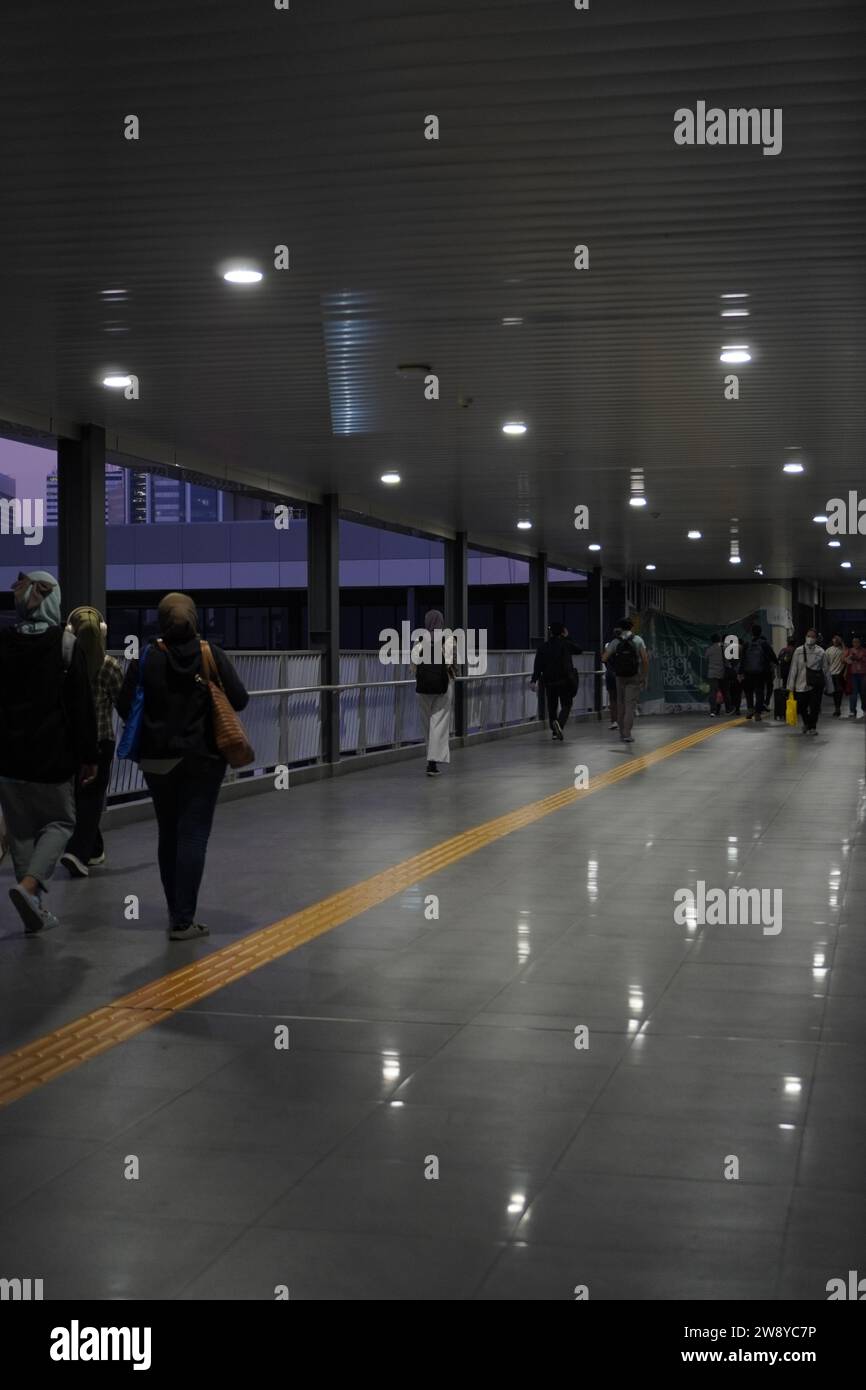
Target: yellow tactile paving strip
point(68, 1047)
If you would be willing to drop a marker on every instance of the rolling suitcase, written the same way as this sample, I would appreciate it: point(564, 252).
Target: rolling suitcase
point(780, 700)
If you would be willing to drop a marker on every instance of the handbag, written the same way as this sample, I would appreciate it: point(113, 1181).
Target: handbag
point(791, 710)
point(231, 740)
point(130, 741)
point(814, 679)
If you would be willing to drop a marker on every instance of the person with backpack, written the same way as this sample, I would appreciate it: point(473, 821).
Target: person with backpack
point(628, 657)
point(610, 678)
point(555, 669)
point(836, 655)
point(47, 740)
point(715, 659)
point(808, 678)
point(756, 663)
point(178, 753)
point(434, 687)
point(86, 848)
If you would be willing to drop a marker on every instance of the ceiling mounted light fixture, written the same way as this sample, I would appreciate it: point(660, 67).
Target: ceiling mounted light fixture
point(695, 536)
point(243, 276)
point(514, 427)
point(739, 295)
point(735, 352)
point(845, 565)
point(391, 479)
point(117, 381)
point(820, 518)
point(637, 501)
point(834, 545)
point(594, 547)
point(793, 467)
point(524, 525)
point(649, 567)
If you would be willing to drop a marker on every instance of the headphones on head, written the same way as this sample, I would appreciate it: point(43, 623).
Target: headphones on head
point(103, 626)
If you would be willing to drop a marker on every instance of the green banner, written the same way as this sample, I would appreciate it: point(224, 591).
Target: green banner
point(678, 668)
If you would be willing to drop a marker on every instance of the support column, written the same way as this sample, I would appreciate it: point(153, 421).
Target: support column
point(457, 611)
point(81, 518)
point(538, 615)
point(596, 629)
point(323, 602)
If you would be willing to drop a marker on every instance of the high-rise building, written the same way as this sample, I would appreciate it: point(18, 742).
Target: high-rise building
point(51, 499)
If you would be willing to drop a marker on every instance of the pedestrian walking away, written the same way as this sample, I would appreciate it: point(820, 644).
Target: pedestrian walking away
point(555, 669)
point(629, 660)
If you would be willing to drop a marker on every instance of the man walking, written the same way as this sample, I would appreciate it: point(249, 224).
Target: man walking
point(629, 660)
point(757, 663)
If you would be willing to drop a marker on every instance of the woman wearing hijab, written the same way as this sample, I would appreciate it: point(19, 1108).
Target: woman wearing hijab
point(47, 736)
point(178, 756)
point(86, 849)
point(434, 685)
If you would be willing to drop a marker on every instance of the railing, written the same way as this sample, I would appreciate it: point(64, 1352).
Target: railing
point(284, 717)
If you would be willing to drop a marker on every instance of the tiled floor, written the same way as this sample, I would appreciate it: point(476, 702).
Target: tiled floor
point(451, 1043)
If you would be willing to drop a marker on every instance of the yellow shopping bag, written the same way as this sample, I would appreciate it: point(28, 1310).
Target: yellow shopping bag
point(791, 710)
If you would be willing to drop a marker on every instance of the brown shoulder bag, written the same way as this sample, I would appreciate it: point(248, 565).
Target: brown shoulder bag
point(228, 730)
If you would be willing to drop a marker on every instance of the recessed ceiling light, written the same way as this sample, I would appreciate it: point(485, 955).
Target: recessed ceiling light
point(845, 565)
point(735, 313)
point(694, 535)
point(514, 427)
point(649, 567)
point(734, 560)
point(117, 381)
point(821, 517)
point(595, 547)
point(637, 501)
point(739, 295)
point(243, 277)
point(524, 525)
point(390, 478)
point(834, 545)
point(735, 352)
point(510, 322)
point(792, 467)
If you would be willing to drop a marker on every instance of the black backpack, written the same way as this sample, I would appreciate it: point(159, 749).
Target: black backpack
point(625, 661)
point(431, 679)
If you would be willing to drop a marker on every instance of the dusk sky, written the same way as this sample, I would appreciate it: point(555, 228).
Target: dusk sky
point(28, 465)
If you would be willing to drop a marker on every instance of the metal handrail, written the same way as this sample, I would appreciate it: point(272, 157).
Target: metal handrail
point(390, 685)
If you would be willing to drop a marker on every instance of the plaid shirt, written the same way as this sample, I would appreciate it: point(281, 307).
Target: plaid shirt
point(106, 688)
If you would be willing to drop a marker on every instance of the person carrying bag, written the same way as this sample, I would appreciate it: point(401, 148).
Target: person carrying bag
point(185, 731)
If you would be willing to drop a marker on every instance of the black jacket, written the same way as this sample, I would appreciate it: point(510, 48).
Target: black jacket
point(177, 718)
point(761, 653)
point(553, 662)
point(47, 718)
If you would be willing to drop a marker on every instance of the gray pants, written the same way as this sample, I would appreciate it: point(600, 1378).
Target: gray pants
point(627, 693)
point(40, 818)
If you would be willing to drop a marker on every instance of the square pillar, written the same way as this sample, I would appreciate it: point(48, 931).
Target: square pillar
point(596, 630)
point(323, 603)
point(457, 610)
point(81, 519)
point(538, 614)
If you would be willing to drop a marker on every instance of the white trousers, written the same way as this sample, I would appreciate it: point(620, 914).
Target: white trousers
point(436, 723)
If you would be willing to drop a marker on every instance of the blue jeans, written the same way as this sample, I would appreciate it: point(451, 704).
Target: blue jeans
point(184, 801)
point(857, 689)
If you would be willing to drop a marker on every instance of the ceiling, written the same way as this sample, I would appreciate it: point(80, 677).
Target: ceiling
point(306, 128)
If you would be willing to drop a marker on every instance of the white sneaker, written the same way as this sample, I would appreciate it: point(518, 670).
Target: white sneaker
point(34, 916)
point(614, 725)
